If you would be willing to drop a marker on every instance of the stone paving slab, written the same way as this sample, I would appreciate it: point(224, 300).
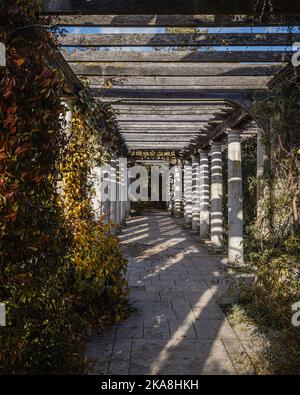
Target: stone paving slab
point(176, 326)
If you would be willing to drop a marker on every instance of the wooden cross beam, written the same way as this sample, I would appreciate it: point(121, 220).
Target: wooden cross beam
point(174, 69)
point(166, 7)
point(179, 39)
point(175, 20)
point(95, 56)
point(241, 81)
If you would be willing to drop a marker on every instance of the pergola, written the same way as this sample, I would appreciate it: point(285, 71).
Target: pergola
point(183, 94)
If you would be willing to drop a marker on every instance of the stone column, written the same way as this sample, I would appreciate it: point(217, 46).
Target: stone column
point(128, 203)
point(105, 203)
point(188, 194)
point(118, 202)
point(123, 188)
point(96, 196)
point(235, 199)
point(262, 189)
point(171, 198)
point(113, 190)
point(66, 125)
point(67, 121)
point(204, 196)
point(216, 199)
point(196, 195)
point(177, 191)
point(2, 55)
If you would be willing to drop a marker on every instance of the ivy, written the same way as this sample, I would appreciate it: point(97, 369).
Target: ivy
point(60, 271)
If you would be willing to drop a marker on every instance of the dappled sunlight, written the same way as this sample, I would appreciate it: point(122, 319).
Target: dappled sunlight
point(175, 340)
point(177, 325)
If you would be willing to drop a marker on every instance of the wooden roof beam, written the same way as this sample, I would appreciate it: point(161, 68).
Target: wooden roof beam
point(179, 39)
point(93, 56)
point(166, 7)
point(174, 69)
point(174, 20)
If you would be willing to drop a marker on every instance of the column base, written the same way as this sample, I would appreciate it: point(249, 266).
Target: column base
point(195, 231)
point(216, 250)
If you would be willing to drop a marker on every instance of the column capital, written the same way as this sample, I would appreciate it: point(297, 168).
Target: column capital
point(234, 131)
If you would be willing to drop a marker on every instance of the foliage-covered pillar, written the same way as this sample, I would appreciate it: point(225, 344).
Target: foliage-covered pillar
point(105, 198)
point(68, 102)
point(188, 194)
point(204, 195)
point(2, 55)
point(196, 195)
point(216, 199)
point(96, 197)
point(235, 199)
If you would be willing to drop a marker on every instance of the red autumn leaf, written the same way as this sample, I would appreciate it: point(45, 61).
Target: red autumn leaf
point(37, 179)
point(22, 149)
point(12, 217)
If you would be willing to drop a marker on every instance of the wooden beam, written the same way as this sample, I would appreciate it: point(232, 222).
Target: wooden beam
point(127, 134)
point(180, 88)
point(179, 81)
point(163, 113)
point(166, 7)
point(164, 118)
point(237, 96)
point(170, 69)
point(96, 56)
point(151, 146)
point(2, 55)
point(174, 20)
point(155, 139)
point(179, 39)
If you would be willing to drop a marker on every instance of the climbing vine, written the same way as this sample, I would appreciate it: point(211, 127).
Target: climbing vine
point(60, 272)
point(98, 263)
point(272, 245)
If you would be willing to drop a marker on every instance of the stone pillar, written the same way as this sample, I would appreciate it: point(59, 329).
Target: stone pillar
point(105, 203)
point(262, 189)
point(235, 199)
point(118, 202)
point(188, 194)
point(66, 125)
point(113, 190)
point(123, 188)
point(204, 196)
point(171, 198)
point(67, 121)
point(128, 203)
point(216, 199)
point(177, 191)
point(2, 55)
point(196, 195)
point(96, 196)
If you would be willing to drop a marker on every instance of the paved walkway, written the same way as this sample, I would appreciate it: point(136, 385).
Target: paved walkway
point(177, 326)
